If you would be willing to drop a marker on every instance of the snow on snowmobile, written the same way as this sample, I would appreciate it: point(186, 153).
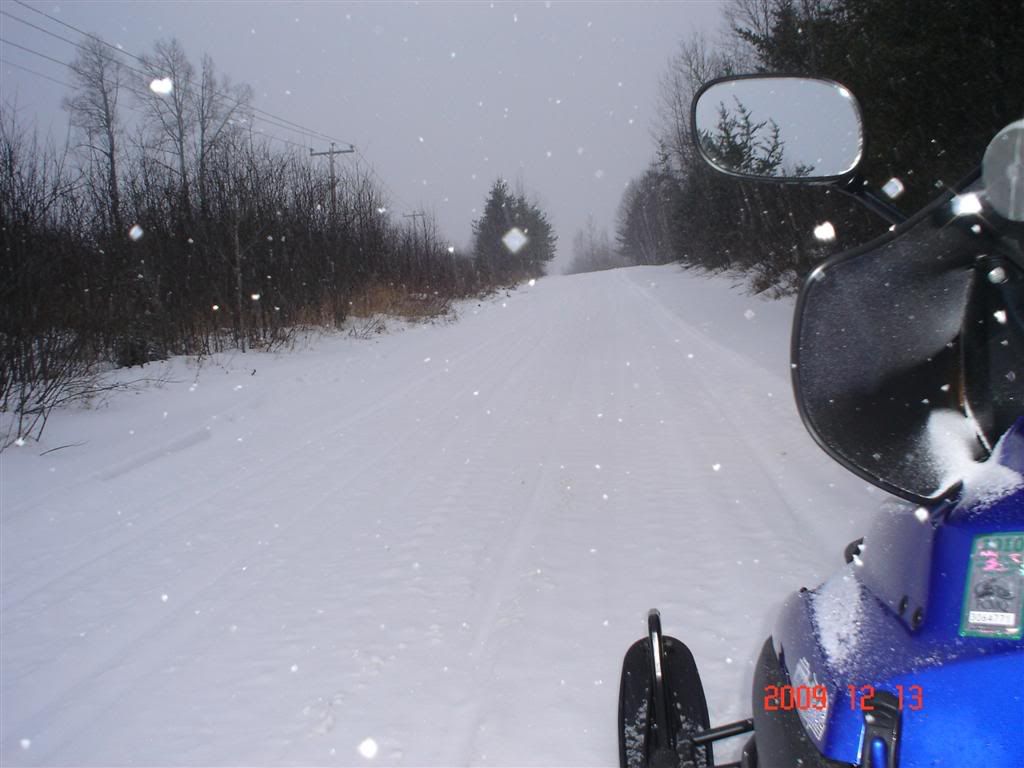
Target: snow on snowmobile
point(908, 369)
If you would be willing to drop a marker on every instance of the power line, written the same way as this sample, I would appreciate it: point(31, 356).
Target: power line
point(33, 72)
point(128, 107)
point(37, 53)
point(297, 127)
point(402, 203)
point(41, 29)
point(258, 114)
point(273, 123)
point(81, 32)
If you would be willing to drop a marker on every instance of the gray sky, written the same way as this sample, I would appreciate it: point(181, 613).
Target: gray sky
point(441, 98)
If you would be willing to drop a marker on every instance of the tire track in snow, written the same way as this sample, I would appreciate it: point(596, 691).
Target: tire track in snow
point(504, 581)
point(157, 636)
point(284, 462)
point(751, 456)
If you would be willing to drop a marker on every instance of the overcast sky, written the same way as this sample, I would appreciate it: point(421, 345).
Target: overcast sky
point(440, 98)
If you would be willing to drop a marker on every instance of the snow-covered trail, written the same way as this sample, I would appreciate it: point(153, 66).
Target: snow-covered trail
point(437, 545)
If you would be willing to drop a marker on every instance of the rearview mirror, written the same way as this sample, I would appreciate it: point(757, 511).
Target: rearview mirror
point(779, 128)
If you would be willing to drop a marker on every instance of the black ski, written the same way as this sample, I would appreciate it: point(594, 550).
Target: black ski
point(661, 704)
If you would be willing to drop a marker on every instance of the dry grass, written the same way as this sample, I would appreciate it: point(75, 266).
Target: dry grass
point(397, 301)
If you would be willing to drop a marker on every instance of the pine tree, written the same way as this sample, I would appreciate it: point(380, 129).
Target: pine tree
point(513, 240)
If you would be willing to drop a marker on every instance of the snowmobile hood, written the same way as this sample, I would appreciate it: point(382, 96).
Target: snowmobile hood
point(908, 352)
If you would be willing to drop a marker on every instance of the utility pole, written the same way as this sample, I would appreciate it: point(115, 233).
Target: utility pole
point(330, 155)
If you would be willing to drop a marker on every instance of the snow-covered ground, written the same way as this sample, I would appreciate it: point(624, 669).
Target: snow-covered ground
point(429, 548)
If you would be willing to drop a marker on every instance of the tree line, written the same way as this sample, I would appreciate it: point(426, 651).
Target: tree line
point(169, 225)
point(934, 83)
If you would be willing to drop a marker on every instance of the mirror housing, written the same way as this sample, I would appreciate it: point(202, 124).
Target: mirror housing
point(779, 128)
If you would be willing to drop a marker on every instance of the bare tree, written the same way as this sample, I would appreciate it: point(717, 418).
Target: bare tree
point(696, 62)
point(169, 104)
point(98, 80)
point(218, 110)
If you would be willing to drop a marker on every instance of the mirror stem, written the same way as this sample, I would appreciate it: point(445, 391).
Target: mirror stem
point(858, 187)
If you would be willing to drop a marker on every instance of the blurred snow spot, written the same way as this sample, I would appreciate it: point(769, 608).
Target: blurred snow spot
point(532, 283)
point(164, 598)
point(825, 232)
point(162, 86)
point(20, 442)
point(598, 174)
point(136, 232)
point(426, 359)
point(966, 205)
point(514, 239)
point(255, 297)
point(215, 307)
point(750, 314)
point(579, 150)
point(893, 188)
point(25, 743)
point(997, 276)
point(1000, 316)
point(451, 249)
point(295, 667)
point(716, 467)
point(921, 513)
point(368, 748)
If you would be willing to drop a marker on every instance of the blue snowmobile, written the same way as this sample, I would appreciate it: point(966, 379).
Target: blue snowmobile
point(908, 369)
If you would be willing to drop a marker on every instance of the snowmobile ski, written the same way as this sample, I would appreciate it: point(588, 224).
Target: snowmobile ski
point(661, 704)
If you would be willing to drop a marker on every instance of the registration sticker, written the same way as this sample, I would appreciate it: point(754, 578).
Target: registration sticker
point(995, 583)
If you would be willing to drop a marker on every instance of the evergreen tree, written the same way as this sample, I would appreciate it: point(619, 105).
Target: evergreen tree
point(513, 240)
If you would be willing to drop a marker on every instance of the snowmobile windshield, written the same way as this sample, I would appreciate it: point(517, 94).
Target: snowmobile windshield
point(908, 353)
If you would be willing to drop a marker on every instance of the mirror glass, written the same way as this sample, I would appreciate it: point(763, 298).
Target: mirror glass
point(783, 128)
point(1003, 171)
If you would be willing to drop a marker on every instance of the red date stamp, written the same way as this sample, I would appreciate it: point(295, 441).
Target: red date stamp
point(907, 697)
point(790, 697)
point(815, 697)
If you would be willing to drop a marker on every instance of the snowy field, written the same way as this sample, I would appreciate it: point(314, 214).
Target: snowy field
point(428, 548)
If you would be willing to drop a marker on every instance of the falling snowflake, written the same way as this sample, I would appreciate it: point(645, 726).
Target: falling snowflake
point(136, 232)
